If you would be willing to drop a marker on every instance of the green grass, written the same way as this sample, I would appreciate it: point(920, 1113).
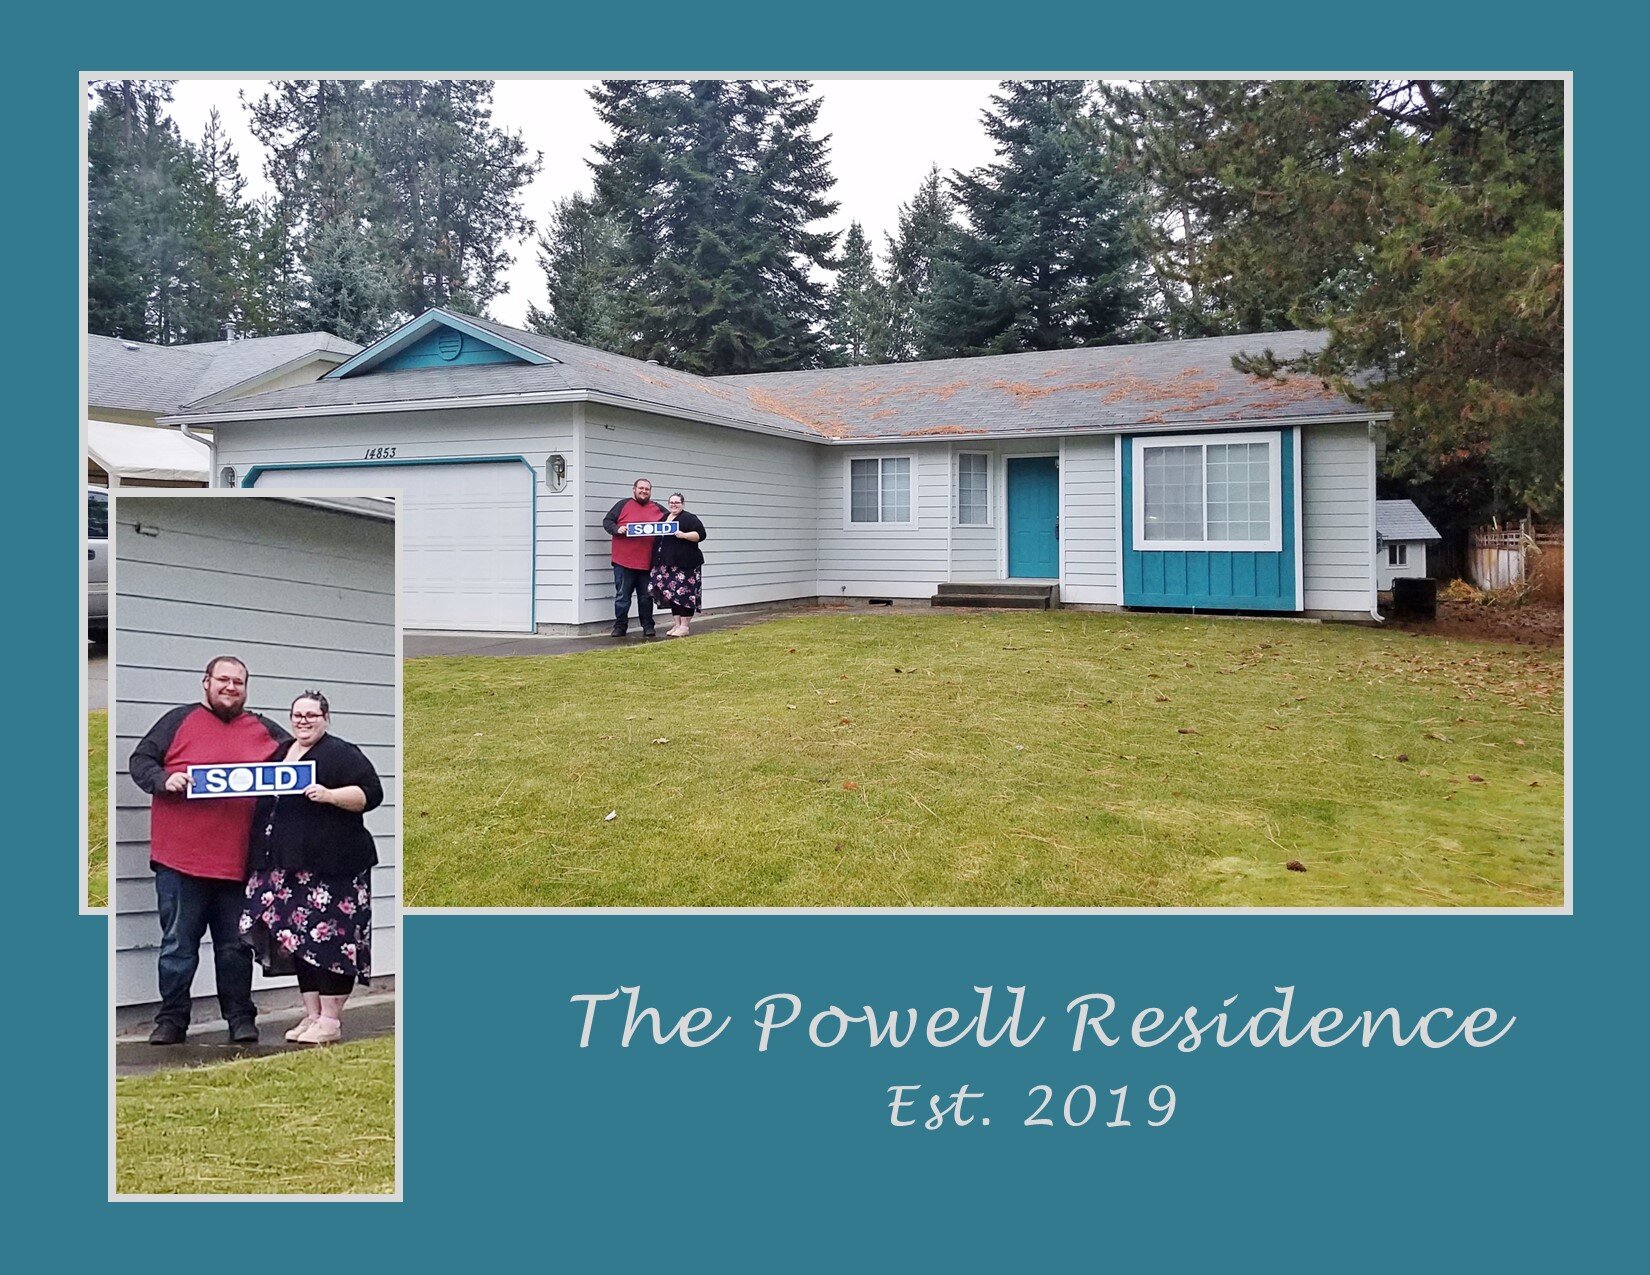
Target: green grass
point(982, 759)
point(97, 808)
point(317, 1122)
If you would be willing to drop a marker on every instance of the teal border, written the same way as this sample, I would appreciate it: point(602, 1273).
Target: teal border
point(407, 333)
point(251, 477)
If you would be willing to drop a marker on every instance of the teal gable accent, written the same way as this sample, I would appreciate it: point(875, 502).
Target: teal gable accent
point(445, 347)
point(437, 339)
point(1212, 581)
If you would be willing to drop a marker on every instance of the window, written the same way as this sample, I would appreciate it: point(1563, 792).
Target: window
point(1217, 493)
point(973, 489)
point(97, 515)
point(879, 490)
point(1397, 555)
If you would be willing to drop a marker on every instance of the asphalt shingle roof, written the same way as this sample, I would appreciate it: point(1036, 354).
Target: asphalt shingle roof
point(1101, 387)
point(132, 376)
point(1401, 520)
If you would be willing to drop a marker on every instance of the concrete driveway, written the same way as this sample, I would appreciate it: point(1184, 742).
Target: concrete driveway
point(97, 675)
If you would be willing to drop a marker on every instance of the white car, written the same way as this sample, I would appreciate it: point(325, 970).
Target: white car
point(97, 564)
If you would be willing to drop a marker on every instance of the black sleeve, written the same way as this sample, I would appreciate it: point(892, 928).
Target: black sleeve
point(147, 765)
point(610, 524)
point(354, 768)
point(691, 522)
point(276, 732)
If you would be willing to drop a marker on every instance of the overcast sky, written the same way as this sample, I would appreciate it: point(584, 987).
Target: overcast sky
point(884, 135)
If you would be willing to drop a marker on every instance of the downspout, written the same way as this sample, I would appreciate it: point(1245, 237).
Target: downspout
point(1377, 437)
point(211, 446)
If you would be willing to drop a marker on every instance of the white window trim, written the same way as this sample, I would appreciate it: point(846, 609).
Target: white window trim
point(1273, 544)
point(956, 491)
point(1397, 553)
point(848, 523)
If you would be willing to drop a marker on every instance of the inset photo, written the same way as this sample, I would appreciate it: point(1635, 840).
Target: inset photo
point(255, 832)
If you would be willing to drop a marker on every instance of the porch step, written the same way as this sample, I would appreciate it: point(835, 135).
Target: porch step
point(997, 594)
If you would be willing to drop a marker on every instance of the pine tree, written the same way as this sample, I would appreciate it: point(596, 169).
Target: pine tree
point(138, 230)
point(715, 185)
point(1047, 260)
point(856, 328)
point(350, 292)
point(925, 235)
point(214, 278)
point(578, 250)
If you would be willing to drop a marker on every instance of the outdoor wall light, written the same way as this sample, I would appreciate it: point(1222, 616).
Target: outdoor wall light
point(227, 476)
point(555, 472)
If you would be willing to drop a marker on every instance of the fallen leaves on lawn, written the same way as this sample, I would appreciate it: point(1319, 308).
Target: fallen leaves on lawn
point(1295, 865)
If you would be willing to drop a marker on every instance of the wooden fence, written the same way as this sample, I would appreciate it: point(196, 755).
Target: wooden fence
point(1521, 557)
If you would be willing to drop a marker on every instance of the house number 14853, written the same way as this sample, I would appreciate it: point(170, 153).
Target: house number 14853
point(380, 453)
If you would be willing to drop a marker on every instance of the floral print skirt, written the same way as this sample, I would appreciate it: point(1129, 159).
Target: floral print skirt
point(294, 916)
point(675, 587)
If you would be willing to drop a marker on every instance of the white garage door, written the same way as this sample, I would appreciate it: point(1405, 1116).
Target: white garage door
point(466, 537)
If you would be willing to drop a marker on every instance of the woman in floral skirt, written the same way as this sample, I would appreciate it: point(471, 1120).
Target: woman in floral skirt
point(309, 896)
point(676, 579)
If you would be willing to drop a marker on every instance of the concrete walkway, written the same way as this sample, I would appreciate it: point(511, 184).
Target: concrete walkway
point(415, 644)
point(365, 1016)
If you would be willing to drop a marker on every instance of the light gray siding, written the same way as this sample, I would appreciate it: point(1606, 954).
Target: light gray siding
point(306, 597)
point(870, 560)
point(1338, 518)
point(1088, 522)
point(756, 494)
point(531, 432)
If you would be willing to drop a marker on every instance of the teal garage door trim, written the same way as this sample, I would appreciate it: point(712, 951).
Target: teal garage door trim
point(1212, 521)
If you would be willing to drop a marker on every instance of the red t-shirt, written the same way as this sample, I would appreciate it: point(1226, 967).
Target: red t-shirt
point(208, 838)
point(636, 552)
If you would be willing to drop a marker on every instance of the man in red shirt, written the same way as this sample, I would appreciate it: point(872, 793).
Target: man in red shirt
point(197, 849)
point(632, 556)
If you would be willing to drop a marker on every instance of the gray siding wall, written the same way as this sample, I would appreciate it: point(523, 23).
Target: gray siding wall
point(1338, 518)
point(1088, 522)
point(756, 493)
point(905, 562)
point(307, 598)
point(532, 432)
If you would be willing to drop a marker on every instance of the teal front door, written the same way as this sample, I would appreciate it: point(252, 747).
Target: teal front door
point(1034, 517)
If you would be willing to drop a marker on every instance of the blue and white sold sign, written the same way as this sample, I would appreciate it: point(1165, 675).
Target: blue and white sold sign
point(251, 779)
point(652, 528)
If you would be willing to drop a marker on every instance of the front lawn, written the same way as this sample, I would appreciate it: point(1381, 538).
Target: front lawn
point(97, 808)
point(319, 1121)
point(990, 759)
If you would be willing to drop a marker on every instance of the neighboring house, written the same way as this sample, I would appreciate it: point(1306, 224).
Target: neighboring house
point(130, 385)
point(1402, 535)
point(304, 592)
point(1134, 476)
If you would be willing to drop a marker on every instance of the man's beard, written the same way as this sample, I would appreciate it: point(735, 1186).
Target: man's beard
point(227, 714)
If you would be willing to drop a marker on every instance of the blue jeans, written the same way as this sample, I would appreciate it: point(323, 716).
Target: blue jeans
point(627, 581)
point(189, 906)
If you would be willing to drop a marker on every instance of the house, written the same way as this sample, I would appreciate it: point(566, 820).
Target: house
point(129, 385)
point(1151, 476)
point(1402, 534)
point(303, 590)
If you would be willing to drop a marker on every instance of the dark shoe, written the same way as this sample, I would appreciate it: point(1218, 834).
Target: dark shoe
point(648, 634)
point(243, 1031)
point(168, 1034)
point(618, 630)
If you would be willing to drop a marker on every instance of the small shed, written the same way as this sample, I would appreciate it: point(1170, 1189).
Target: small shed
point(1402, 534)
point(302, 590)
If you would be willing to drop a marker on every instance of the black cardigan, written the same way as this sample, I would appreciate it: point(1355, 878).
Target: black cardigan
point(295, 833)
point(668, 551)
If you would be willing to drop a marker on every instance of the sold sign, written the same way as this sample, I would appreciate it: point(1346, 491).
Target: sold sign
point(256, 779)
point(652, 528)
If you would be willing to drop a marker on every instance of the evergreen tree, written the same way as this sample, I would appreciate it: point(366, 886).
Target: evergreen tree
point(1048, 260)
point(214, 281)
point(138, 231)
point(350, 291)
point(856, 328)
point(925, 235)
point(578, 250)
point(715, 185)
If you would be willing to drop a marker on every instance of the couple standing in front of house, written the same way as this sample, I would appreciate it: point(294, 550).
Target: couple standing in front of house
point(667, 569)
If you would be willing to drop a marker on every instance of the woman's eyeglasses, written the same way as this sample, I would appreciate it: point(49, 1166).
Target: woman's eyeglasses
point(308, 717)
